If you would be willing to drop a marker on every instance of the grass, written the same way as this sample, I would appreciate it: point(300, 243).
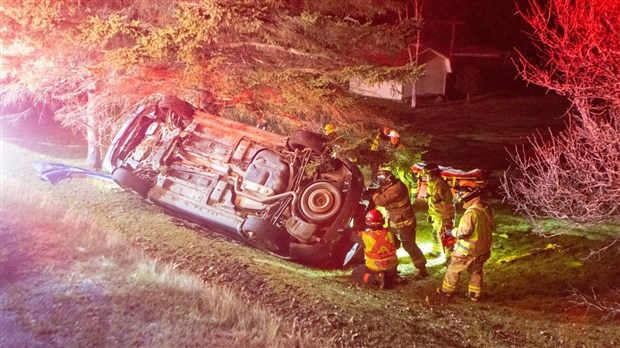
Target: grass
point(73, 283)
point(529, 302)
point(478, 134)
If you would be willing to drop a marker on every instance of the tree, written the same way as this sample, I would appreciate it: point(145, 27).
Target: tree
point(468, 81)
point(286, 61)
point(574, 177)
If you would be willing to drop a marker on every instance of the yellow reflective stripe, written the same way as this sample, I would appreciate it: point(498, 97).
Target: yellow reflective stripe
point(382, 255)
point(382, 264)
point(474, 288)
point(400, 204)
point(463, 246)
point(375, 144)
point(442, 210)
point(402, 224)
point(447, 286)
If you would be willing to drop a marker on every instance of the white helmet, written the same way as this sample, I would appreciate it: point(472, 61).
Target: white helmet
point(465, 194)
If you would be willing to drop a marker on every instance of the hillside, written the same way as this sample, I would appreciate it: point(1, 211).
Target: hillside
point(529, 302)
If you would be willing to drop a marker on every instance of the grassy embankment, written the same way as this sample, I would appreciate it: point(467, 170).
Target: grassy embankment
point(67, 281)
point(528, 302)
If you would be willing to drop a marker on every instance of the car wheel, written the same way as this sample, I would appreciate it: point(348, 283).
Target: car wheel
point(181, 107)
point(265, 236)
point(314, 255)
point(345, 255)
point(131, 182)
point(320, 201)
point(304, 139)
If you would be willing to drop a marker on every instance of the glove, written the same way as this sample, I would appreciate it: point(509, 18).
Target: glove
point(429, 219)
point(369, 193)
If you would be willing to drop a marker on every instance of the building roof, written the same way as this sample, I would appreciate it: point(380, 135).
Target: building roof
point(430, 53)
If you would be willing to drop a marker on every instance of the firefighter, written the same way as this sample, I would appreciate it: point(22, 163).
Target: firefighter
point(381, 263)
point(393, 195)
point(382, 135)
point(473, 246)
point(389, 138)
point(395, 140)
point(440, 208)
point(377, 148)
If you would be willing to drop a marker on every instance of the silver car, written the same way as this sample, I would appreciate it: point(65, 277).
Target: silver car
point(284, 194)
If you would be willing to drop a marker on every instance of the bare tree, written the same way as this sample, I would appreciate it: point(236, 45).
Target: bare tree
point(575, 176)
point(594, 302)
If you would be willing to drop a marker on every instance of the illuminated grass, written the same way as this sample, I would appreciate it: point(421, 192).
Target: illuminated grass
point(527, 302)
point(73, 283)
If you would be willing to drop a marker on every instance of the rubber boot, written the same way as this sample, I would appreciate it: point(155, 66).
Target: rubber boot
point(421, 274)
point(381, 280)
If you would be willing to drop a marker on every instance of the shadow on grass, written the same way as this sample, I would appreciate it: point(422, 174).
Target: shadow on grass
point(45, 136)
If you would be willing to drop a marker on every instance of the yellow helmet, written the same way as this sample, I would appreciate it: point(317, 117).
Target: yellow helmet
point(329, 128)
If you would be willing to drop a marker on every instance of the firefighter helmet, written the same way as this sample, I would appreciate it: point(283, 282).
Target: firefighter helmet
point(385, 177)
point(329, 128)
point(374, 218)
point(465, 194)
point(394, 138)
point(431, 169)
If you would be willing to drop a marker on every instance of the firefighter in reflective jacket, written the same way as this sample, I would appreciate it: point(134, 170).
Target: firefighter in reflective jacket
point(381, 263)
point(440, 208)
point(473, 246)
point(393, 195)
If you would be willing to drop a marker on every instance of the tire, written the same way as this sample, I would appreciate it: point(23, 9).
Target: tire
point(182, 108)
point(130, 182)
point(359, 218)
point(263, 235)
point(323, 257)
point(209, 103)
point(320, 201)
point(342, 250)
point(315, 255)
point(301, 139)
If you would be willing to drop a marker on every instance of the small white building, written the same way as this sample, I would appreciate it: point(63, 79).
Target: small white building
point(432, 83)
point(393, 90)
point(436, 70)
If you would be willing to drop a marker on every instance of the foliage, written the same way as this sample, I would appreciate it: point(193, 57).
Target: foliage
point(288, 61)
point(575, 176)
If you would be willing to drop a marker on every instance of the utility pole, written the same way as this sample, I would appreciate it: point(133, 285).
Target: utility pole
point(453, 23)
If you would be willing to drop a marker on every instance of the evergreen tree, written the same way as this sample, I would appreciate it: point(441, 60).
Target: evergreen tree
point(286, 61)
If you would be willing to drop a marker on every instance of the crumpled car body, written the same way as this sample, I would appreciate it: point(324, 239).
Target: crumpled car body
point(283, 194)
point(54, 172)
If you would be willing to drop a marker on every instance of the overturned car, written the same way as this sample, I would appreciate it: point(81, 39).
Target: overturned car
point(285, 195)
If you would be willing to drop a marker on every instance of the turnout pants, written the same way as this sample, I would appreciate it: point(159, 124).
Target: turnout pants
point(407, 238)
point(364, 275)
point(458, 264)
point(440, 225)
